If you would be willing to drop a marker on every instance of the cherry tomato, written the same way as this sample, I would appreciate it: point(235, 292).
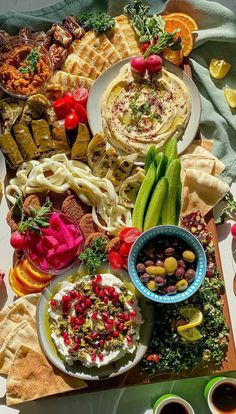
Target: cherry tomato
point(81, 112)
point(71, 121)
point(144, 46)
point(124, 231)
point(125, 249)
point(62, 107)
point(129, 234)
point(69, 95)
point(115, 260)
point(80, 96)
point(153, 63)
point(138, 64)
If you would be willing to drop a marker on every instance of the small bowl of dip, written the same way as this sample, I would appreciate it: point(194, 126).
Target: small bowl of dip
point(25, 68)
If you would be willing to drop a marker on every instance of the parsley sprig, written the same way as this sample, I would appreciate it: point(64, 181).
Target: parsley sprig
point(32, 60)
point(94, 255)
point(228, 210)
point(99, 22)
point(38, 218)
point(150, 28)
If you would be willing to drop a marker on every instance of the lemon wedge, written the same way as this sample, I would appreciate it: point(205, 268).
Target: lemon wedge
point(191, 335)
point(230, 96)
point(219, 68)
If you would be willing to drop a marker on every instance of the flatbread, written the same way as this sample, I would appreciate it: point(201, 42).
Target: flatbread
point(101, 44)
point(30, 301)
point(123, 37)
point(31, 376)
point(63, 81)
point(89, 54)
point(13, 318)
point(25, 334)
point(204, 143)
point(77, 66)
point(201, 151)
point(201, 191)
point(198, 162)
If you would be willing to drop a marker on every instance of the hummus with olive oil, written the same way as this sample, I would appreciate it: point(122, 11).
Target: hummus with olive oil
point(138, 111)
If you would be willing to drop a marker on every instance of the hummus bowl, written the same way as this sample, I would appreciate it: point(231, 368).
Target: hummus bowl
point(135, 111)
point(81, 365)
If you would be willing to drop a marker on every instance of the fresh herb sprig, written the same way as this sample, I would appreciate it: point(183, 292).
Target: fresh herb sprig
point(99, 22)
point(38, 219)
point(228, 210)
point(32, 60)
point(151, 29)
point(94, 255)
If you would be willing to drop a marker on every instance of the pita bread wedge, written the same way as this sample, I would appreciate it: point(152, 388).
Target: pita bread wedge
point(90, 55)
point(201, 191)
point(123, 37)
point(13, 318)
point(63, 81)
point(198, 162)
point(31, 376)
point(101, 44)
point(30, 301)
point(204, 143)
point(25, 334)
point(202, 151)
point(77, 66)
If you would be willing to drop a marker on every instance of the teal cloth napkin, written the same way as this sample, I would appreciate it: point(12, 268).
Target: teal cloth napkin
point(216, 38)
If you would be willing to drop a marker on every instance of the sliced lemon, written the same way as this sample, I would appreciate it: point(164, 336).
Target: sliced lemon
point(193, 315)
point(230, 96)
point(190, 335)
point(219, 68)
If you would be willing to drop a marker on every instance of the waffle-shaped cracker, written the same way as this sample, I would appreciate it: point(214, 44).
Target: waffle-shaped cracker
point(77, 66)
point(124, 38)
point(102, 45)
point(65, 81)
point(88, 54)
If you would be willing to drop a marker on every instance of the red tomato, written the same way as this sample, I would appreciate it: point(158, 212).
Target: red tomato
point(71, 121)
point(115, 260)
point(81, 112)
point(125, 249)
point(129, 234)
point(80, 96)
point(62, 107)
point(69, 96)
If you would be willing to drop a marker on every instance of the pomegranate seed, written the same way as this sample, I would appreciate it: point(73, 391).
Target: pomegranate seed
point(65, 298)
point(115, 296)
point(102, 294)
point(76, 347)
point(126, 317)
point(99, 278)
point(130, 302)
point(133, 314)
point(93, 357)
point(129, 339)
point(83, 299)
point(65, 335)
point(115, 334)
point(77, 339)
point(121, 316)
point(53, 303)
point(97, 290)
point(94, 315)
point(94, 335)
point(110, 321)
point(107, 327)
point(101, 343)
point(101, 357)
point(105, 299)
point(80, 320)
point(78, 295)
point(83, 305)
point(78, 309)
point(73, 320)
point(106, 291)
point(153, 358)
point(104, 316)
point(65, 313)
point(67, 341)
point(89, 302)
point(121, 326)
point(73, 294)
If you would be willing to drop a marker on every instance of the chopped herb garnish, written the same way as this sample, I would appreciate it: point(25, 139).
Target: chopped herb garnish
point(99, 22)
point(229, 210)
point(32, 60)
point(38, 218)
point(138, 111)
point(94, 255)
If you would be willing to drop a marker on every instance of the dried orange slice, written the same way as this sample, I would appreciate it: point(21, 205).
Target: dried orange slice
point(25, 278)
point(17, 287)
point(173, 56)
point(185, 18)
point(41, 277)
point(184, 33)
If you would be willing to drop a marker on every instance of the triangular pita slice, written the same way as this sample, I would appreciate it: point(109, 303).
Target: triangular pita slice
point(102, 45)
point(13, 318)
point(30, 301)
point(204, 143)
point(123, 37)
point(31, 376)
point(201, 191)
point(88, 54)
point(198, 162)
point(62, 81)
point(77, 66)
point(25, 334)
point(199, 150)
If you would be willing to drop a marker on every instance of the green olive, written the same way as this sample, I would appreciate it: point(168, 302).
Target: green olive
point(189, 256)
point(181, 285)
point(170, 265)
point(151, 285)
point(155, 270)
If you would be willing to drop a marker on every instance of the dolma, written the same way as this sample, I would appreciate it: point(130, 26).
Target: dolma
point(80, 146)
point(10, 150)
point(59, 137)
point(35, 108)
point(25, 142)
point(42, 136)
point(11, 109)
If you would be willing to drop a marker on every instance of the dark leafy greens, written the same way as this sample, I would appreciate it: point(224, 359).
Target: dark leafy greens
point(38, 219)
point(99, 22)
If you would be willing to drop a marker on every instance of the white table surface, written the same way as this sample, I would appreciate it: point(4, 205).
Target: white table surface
point(134, 400)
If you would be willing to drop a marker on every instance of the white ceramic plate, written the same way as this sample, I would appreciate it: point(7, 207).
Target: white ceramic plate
point(100, 85)
point(78, 370)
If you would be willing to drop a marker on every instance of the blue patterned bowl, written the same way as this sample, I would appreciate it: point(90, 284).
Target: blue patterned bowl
point(167, 230)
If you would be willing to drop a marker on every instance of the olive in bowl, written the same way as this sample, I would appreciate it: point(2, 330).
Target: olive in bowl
point(167, 264)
